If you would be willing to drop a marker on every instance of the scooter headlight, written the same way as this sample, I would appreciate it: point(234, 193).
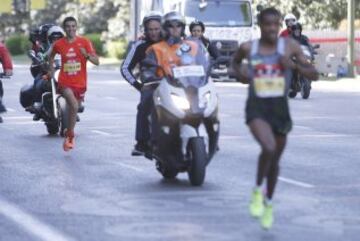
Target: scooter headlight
point(180, 102)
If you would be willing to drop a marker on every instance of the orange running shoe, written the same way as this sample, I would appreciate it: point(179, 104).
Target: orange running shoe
point(69, 140)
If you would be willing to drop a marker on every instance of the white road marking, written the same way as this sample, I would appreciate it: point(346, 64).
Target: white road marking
point(131, 167)
point(31, 224)
point(296, 183)
point(103, 133)
point(10, 109)
point(302, 127)
point(18, 117)
point(323, 135)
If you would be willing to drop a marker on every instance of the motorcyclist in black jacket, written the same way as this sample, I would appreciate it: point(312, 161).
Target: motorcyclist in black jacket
point(197, 30)
point(296, 33)
point(137, 53)
point(31, 94)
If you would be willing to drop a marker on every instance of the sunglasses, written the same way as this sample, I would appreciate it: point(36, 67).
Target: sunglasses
point(175, 25)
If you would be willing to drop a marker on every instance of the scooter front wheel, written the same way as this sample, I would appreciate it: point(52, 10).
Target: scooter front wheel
point(305, 88)
point(198, 160)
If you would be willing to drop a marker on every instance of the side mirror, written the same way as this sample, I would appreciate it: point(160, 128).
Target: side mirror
point(203, 4)
point(147, 63)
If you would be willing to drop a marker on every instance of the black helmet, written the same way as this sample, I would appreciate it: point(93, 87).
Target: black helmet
point(34, 35)
point(44, 29)
point(296, 26)
point(197, 23)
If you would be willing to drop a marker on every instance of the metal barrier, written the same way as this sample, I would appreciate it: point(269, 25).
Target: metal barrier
point(333, 50)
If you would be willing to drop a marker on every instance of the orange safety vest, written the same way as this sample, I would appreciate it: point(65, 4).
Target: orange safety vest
point(166, 55)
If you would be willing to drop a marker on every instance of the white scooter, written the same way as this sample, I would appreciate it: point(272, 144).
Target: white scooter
point(185, 125)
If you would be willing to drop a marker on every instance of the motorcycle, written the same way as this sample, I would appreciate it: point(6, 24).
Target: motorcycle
point(185, 124)
point(2, 107)
point(52, 108)
point(300, 83)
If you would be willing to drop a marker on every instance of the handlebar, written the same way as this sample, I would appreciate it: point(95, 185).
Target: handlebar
point(4, 76)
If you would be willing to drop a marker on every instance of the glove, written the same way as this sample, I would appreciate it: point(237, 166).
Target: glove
point(138, 85)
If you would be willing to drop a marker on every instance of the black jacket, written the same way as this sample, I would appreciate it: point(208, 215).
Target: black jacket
point(135, 54)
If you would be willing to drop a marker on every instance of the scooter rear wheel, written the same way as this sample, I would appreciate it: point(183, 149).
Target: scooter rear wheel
point(52, 128)
point(166, 171)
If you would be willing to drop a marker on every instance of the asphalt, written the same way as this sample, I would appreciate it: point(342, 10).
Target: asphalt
point(99, 192)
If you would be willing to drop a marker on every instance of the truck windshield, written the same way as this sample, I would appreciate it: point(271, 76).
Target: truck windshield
point(220, 13)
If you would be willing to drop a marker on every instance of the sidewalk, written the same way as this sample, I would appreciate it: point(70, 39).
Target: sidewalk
point(340, 85)
point(105, 63)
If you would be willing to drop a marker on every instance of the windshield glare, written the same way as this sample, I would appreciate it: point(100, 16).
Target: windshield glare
point(220, 13)
point(200, 60)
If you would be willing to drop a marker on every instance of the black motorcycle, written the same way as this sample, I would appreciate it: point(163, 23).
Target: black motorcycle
point(300, 83)
point(52, 108)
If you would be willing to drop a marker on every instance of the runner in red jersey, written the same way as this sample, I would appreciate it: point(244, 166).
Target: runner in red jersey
point(75, 51)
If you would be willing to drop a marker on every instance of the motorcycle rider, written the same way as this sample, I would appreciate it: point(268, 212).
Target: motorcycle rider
point(289, 20)
point(7, 66)
point(268, 73)
point(197, 30)
point(75, 51)
point(31, 94)
point(296, 33)
point(166, 53)
point(136, 53)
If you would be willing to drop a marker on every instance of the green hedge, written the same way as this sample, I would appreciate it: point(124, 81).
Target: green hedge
point(95, 38)
point(117, 49)
point(18, 44)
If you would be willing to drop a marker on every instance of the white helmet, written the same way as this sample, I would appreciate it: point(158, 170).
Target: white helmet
point(153, 15)
point(289, 18)
point(173, 16)
point(55, 32)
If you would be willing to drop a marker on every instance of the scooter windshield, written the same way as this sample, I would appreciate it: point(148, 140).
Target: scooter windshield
point(193, 69)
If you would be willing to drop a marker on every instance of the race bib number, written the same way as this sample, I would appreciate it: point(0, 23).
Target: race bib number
point(189, 71)
point(266, 87)
point(72, 67)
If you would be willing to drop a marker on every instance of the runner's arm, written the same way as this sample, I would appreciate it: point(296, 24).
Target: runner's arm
point(5, 60)
point(238, 68)
point(89, 53)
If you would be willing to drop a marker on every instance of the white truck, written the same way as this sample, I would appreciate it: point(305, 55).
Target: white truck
point(228, 22)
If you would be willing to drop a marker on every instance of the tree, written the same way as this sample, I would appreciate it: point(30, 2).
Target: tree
point(315, 13)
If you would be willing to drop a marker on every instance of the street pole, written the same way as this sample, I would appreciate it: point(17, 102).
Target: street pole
point(134, 20)
point(351, 38)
